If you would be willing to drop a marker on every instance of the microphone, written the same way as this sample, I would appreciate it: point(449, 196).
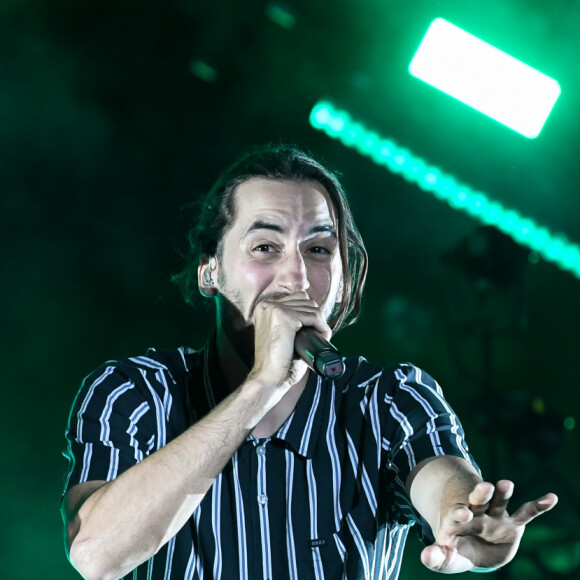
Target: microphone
point(321, 356)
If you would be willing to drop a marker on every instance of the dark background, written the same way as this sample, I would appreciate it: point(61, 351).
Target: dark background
point(107, 130)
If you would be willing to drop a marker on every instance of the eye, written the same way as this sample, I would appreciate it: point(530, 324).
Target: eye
point(264, 248)
point(319, 250)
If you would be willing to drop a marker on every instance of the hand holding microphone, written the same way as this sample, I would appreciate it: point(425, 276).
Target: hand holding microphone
point(276, 313)
point(318, 353)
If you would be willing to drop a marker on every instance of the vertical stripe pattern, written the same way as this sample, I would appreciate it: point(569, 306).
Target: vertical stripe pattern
point(324, 498)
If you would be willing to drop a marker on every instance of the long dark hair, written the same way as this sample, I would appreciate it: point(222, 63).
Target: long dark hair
point(281, 163)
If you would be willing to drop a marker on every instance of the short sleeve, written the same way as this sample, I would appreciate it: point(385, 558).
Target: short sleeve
point(111, 427)
point(420, 424)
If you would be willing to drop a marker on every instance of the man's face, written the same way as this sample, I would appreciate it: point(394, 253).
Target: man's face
point(283, 240)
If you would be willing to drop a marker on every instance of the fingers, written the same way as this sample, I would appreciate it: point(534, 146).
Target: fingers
point(277, 318)
point(493, 501)
point(295, 310)
point(480, 497)
point(530, 510)
point(482, 534)
point(502, 494)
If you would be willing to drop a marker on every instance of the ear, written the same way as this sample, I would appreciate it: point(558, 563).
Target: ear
point(205, 277)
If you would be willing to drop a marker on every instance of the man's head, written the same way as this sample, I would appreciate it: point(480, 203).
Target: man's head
point(277, 164)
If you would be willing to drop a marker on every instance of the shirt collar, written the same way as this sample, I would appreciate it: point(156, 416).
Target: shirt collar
point(302, 428)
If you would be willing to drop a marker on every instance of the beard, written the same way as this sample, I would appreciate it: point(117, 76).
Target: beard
point(239, 330)
point(239, 333)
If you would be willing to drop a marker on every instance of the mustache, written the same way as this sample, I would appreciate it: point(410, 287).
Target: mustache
point(272, 296)
point(269, 297)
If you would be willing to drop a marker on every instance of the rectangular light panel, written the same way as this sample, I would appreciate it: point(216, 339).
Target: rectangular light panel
point(485, 78)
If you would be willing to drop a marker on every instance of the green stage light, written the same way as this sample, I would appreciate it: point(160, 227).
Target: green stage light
point(385, 152)
point(485, 78)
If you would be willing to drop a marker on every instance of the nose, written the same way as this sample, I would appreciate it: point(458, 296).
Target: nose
point(292, 274)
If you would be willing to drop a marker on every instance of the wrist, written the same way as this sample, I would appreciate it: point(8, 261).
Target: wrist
point(257, 397)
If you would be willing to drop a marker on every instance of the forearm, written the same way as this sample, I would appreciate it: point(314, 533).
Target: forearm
point(126, 521)
point(439, 483)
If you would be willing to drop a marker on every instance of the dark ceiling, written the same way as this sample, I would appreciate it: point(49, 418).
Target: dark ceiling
point(106, 132)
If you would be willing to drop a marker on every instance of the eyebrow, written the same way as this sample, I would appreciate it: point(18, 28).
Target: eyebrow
point(265, 225)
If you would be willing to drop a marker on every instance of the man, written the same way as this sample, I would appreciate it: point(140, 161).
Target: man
point(237, 461)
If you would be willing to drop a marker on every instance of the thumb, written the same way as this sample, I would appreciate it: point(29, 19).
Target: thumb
point(433, 557)
point(444, 559)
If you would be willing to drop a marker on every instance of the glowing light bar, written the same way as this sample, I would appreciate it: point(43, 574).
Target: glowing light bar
point(339, 125)
point(485, 78)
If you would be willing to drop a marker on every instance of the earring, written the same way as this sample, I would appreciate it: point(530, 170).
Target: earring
point(207, 279)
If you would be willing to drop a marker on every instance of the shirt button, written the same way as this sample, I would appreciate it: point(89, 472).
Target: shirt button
point(261, 450)
point(262, 499)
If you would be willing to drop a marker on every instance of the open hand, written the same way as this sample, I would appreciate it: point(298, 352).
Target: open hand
point(482, 534)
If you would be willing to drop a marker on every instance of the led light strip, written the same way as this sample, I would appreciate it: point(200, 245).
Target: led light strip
point(385, 152)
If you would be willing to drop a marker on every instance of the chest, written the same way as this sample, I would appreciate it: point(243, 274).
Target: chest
point(274, 509)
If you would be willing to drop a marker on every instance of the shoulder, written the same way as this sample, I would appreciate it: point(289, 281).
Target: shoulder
point(156, 371)
point(362, 374)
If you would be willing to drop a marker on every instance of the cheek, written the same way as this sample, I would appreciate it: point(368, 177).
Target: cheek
point(320, 278)
point(323, 282)
point(254, 274)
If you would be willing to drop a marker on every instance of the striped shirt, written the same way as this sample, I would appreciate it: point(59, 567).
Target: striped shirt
point(322, 498)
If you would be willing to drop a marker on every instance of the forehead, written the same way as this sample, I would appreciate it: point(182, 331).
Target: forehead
point(295, 203)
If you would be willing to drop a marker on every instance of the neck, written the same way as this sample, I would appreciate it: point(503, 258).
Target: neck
point(235, 372)
point(233, 367)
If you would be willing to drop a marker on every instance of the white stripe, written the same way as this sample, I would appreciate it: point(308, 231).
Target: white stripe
point(113, 464)
point(430, 424)
point(341, 552)
point(400, 535)
point(132, 430)
point(360, 544)
point(108, 371)
point(199, 554)
point(313, 501)
point(240, 520)
point(184, 350)
point(285, 427)
point(159, 412)
point(408, 430)
point(373, 378)
point(104, 421)
point(310, 420)
point(264, 518)
point(190, 565)
point(169, 558)
point(150, 568)
point(459, 441)
point(376, 423)
point(167, 398)
point(334, 462)
point(290, 547)
point(382, 552)
point(368, 488)
point(148, 362)
point(216, 525)
point(87, 456)
point(108, 409)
